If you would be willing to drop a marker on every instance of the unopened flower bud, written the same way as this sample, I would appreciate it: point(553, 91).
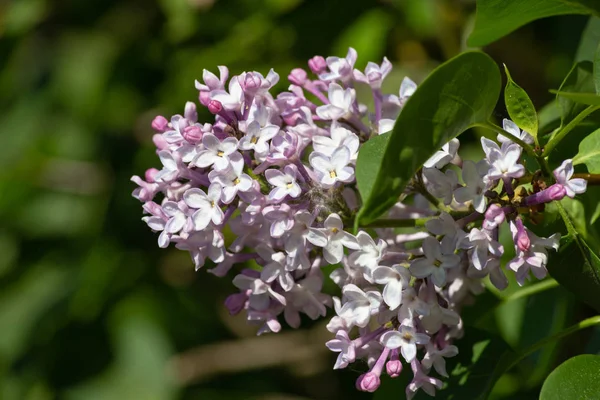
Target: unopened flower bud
point(368, 382)
point(193, 134)
point(204, 98)
point(160, 124)
point(235, 303)
point(297, 76)
point(250, 83)
point(393, 368)
point(215, 106)
point(317, 64)
point(150, 174)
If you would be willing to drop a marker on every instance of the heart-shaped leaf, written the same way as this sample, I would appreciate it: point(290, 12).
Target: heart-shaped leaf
point(575, 379)
point(458, 94)
point(589, 40)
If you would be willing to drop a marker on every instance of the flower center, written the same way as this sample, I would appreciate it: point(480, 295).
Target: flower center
point(254, 140)
point(334, 230)
point(332, 174)
point(220, 153)
point(437, 263)
point(236, 181)
point(289, 185)
point(407, 336)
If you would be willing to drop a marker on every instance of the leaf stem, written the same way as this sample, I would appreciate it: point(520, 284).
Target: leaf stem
point(531, 290)
point(540, 158)
point(560, 135)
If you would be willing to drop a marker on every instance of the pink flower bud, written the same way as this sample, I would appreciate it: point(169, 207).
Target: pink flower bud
point(557, 192)
point(522, 238)
point(368, 382)
point(494, 216)
point(193, 134)
point(297, 76)
point(190, 112)
point(235, 303)
point(250, 83)
point(160, 142)
point(215, 106)
point(317, 64)
point(150, 174)
point(160, 124)
point(393, 368)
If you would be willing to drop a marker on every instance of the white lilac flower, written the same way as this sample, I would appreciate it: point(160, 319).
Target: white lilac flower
point(514, 130)
point(503, 160)
point(358, 306)
point(406, 338)
point(434, 263)
point(336, 168)
point(443, 156)
point(395, 279)
point(374, 74)
point(440, 184)
point(368, 254)
point(275, 268)
point(340, 68)
point(475, 186)
point(483, 247)
point(170, 170)
point(232, 179)
point(437, 358)
point(206, 204)
point(257, 138)
point(563, 176)
point(261, 292)
point(284, 183)
point(339, 136)
point(215, 152)
point(335, 239)
point(343, 345)
point(340, 103)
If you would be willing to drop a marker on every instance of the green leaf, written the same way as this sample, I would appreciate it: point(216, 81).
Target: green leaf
point(497, 18)
point(576, 266)
point(578, 80)
point(597, 68)
point(591, 99)
point(589, 40)
point(589, 153)
point(457, 95)
point(575, 379)
point(519, 106)
point(593, 6)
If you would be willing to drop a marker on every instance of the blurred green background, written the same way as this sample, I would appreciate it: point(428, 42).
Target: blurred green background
point(90, 307)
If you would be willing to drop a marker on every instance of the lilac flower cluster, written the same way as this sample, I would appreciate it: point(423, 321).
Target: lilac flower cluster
point(279, 174)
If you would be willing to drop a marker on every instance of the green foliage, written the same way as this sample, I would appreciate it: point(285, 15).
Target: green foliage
point(519, 106)
point(591, 99)
point(456, 95)
point(579, 80)
point(589, 40)
point(589, 152)
point(577, 265)
point(575, 379)
point(497, 18)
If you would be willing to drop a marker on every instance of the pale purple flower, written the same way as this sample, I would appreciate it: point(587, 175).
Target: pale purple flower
point(206, 204)
point(334, 168)
point(340, 136)
point(406, 338)
point(343, 345)
point(514, 130)
point(440, 184)
point(437, 358)
point(394, 278)
point(215, 152)
point(232, 179)
point(340, 103)
point(374, 74)
point(284, 183)
point(170, 170)
point(563, 176)
point(434, 263)
point(257, 138)
point(443, 156)
point(503, 160)
point(475, 186)
point(358, 306)
point(335, 239)
point(340, 68)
